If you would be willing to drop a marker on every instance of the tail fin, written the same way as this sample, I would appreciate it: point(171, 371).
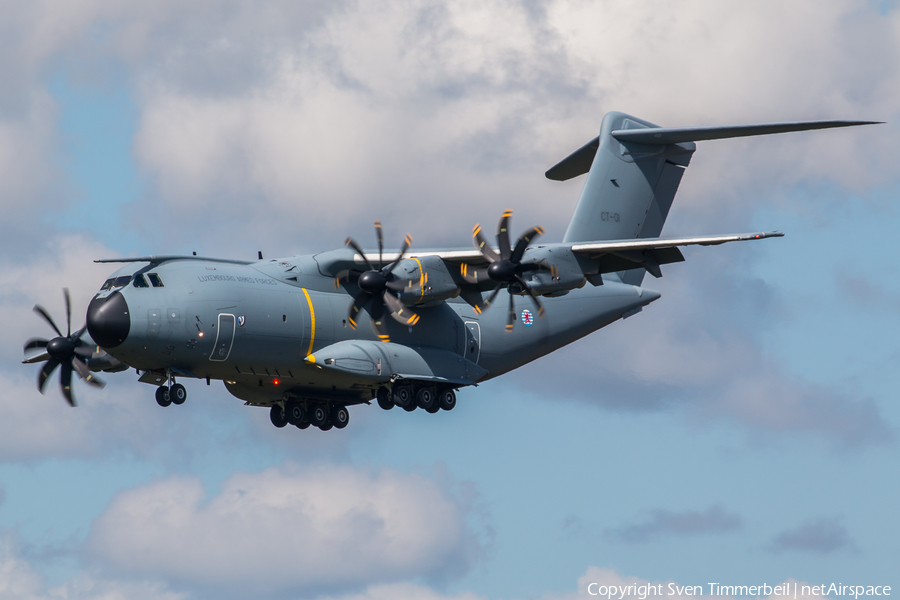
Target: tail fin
point(634, 168)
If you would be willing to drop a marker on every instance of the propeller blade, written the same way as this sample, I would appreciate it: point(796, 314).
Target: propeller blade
point(85, 373)
point(36, 359)
point(406, 242)
point(87, 351)
point(352, 243)
point(400, 312)
point(376, 314)
point(46, 372)
point(343, 276)
point(68, 312)
point(473, 274)
point(35, 343)
point(472, 296)
point(534, 297)
point(493, 295)
point(380, 235)
point(79, 333)
point(523, 242)
point(503, 235)
point(407, 285)
point(65, 383)
point(355, 307)
point(483, 246)
point(511, 314)
point(39, 310)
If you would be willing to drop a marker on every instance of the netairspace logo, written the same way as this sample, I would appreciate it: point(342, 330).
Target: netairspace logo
point(787, 589)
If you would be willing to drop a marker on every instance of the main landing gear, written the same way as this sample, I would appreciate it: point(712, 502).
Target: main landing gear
point(303, 414)
point(429, 398)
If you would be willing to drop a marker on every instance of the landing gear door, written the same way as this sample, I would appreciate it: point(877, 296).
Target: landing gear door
point(224, 338)
point(472, 349)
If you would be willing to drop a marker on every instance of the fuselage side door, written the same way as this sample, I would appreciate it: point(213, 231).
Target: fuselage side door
point(224, 338)
point(472, 349)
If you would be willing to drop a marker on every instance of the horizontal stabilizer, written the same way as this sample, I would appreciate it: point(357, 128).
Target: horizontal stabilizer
point(579, 162)
point(677, 135)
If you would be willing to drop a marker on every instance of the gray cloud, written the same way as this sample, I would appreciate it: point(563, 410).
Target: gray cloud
point(820, 536)
point(283, 529)
point(661, 523)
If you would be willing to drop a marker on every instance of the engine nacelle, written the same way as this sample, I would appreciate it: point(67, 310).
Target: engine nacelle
point(562, 272)
point(431, 280)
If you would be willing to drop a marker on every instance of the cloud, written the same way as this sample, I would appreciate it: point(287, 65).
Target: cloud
point(819, 536)
point(325, 529)
point(662, 522)
point(699, 350)
point(20, 580)
point(265, 119)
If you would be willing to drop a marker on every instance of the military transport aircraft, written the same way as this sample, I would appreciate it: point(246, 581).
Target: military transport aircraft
point(308, 336)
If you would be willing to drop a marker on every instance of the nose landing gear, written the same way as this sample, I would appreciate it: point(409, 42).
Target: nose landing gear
point(171, 393)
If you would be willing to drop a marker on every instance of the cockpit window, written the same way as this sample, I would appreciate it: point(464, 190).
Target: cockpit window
point(108, 284)
point(140, 281)
point(122, 281)
point(155, 281)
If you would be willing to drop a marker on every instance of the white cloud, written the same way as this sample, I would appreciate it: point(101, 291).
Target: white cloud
point(333, 528)
point(20, 581)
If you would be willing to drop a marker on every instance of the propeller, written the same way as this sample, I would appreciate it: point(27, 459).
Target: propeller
point(376, 287)
point(506, 267)
point(65, 351)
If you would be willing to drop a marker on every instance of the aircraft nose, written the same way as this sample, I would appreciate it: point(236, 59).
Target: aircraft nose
point(108, 321)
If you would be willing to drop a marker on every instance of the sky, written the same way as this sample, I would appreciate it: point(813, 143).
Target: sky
point(741, 430)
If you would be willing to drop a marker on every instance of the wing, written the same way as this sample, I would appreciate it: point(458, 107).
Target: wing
point(650, 253)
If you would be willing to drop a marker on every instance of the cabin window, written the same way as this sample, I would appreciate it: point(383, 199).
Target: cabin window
point(140, 281)
point(155, 281)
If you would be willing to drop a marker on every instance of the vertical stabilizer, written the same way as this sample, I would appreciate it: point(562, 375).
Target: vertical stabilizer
point(629, 187)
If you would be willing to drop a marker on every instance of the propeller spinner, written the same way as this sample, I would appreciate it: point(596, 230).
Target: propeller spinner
point(65, 351)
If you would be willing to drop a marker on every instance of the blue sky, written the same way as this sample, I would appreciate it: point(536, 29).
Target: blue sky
point(743, 429)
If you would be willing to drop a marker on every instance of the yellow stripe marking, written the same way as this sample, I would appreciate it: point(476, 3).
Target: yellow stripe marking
point(312, 322)
point(422, 277)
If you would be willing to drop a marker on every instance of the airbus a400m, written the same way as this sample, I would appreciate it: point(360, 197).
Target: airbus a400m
point(310, 336)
